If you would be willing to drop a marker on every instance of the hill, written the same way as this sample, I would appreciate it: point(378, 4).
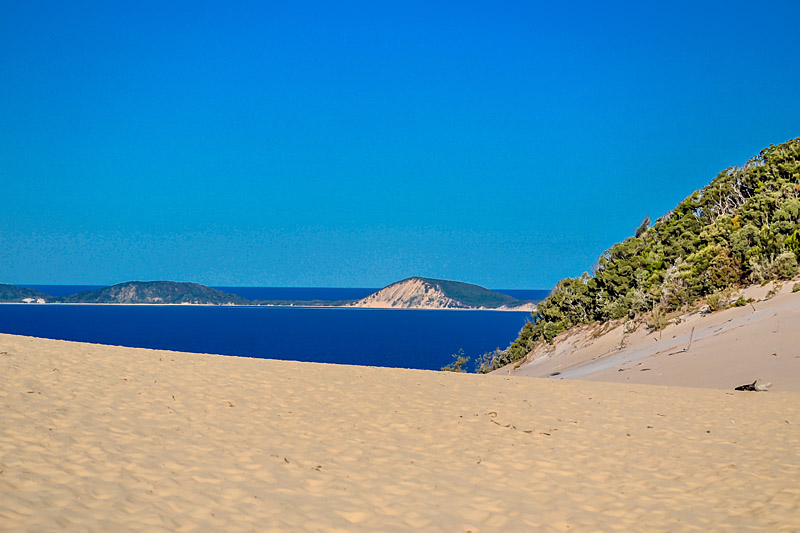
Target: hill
point(742, 228)
point(14, 294)
point(426, 293)
point(157, 292)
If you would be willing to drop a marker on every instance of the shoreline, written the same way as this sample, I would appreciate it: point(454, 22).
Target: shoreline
point(273, 306)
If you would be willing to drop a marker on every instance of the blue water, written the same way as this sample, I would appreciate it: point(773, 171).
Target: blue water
point(329, 294)
point(421, 339)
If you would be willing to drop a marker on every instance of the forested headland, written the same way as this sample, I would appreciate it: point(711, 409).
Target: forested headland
point(742, 228)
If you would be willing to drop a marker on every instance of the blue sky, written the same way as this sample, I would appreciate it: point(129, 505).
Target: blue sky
point(357, 143)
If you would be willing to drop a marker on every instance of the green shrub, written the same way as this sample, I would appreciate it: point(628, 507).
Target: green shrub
point(714, 302)
point(658, 320)
point(486, 362)
point(773, 291)
point(718, 300)
point(785, 265)
point(458, 364)
point(760, 272)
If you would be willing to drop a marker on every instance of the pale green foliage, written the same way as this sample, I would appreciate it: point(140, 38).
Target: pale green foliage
point(458, 364)
point(785, 265)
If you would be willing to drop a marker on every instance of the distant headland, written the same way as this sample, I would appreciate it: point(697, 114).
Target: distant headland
point(427, 293)
point(411, 293)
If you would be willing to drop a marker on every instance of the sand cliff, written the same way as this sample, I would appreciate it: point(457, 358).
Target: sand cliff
point(411, 293)
point(423, 293)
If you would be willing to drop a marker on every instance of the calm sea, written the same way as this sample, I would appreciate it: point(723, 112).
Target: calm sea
point(421, 339)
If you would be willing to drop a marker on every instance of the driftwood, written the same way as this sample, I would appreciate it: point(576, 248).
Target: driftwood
point(753, 387)
point(749, 386)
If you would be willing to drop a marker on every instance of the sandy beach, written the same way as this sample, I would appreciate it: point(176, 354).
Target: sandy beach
point(99, 438)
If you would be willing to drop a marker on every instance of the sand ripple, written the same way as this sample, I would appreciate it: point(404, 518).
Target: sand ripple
point(104, 438)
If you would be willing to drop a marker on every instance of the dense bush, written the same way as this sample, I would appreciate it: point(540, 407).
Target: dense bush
point(742, 227)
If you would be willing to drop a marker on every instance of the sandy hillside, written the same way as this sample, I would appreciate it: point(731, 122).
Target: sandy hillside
point(759, 341)
point(420, 293)
point(97, 438)
point(412, 293)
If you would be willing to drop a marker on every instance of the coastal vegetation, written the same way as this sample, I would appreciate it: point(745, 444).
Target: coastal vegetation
point(472, 295)
point(15, 294)
point(742, 228)
point(157, 292)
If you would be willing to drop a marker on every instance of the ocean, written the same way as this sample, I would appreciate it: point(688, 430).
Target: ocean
point(404, 338)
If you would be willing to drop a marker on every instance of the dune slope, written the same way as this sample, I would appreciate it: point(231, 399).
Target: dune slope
point(725, 349)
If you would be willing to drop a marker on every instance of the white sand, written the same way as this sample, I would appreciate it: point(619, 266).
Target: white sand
point(105, 438)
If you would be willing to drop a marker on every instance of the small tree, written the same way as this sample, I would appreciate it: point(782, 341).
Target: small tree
point(458, 364)
point(486, 362)
point(643, 226)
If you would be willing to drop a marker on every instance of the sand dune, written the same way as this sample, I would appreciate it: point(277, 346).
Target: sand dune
point(104, 438)
point(759, 341)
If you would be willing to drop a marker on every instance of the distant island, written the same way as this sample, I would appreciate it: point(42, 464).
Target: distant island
point(411, 293)
point(157, 292)
point(427, 293)
point(12, 293)
point(131, 292)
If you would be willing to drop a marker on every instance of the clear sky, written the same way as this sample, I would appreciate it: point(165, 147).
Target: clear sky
point(353, 144)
